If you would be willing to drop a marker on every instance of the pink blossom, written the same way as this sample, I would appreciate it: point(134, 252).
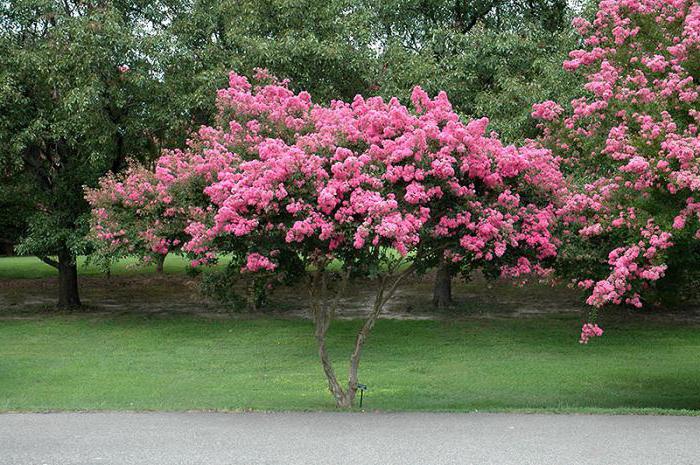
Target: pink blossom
point(588, 331)
point(256, 262)
point(634, 139)
point(547, 111)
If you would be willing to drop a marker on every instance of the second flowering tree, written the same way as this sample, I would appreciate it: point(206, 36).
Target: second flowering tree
point(632, 147)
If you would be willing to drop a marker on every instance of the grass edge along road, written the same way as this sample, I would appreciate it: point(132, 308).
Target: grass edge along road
point(176, 363)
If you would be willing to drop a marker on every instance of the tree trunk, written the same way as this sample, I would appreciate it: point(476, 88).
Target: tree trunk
point(342, 398)
point(160, 260)
point(442, 287)
point(67, 281)
point(323, 315)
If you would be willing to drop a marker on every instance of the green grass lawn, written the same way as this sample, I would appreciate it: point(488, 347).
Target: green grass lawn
point(77, 362)
point(32, 267)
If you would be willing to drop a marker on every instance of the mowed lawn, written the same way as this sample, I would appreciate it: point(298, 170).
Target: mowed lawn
point(91, 362)
point(32, 267)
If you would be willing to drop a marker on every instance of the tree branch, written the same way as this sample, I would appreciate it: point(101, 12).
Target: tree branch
point(383, 296)
point(49, 261)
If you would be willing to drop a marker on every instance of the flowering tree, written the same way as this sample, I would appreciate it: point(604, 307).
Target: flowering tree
point(326, 194)
point(134, 216)
point(632, 146)
point(145, 212)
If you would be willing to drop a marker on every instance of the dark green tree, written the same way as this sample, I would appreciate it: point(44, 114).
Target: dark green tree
point(77, 86)
point(322, 47)
point(15, 206)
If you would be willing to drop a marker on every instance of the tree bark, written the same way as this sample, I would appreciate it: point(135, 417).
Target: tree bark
point(67, 281)
point(361, 338)
point(160, 260)
point(342, 398)
point(442, 287)
point(323, 315)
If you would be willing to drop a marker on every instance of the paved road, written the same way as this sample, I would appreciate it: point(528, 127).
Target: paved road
point(339, 439)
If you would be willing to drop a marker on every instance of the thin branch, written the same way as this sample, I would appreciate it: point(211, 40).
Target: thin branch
point(383, 296)
point(396, 283)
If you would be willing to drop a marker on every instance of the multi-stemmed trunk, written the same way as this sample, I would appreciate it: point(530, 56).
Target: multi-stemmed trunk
point(323, 310)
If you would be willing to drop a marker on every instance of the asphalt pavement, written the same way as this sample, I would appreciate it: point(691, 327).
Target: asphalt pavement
point(346, 439)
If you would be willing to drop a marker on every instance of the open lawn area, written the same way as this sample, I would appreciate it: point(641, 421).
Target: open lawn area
point(32, 267)
point(141, 362)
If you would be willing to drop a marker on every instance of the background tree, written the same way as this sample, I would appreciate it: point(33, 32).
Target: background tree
point(79, 86)
point(505, 56)
point(322, 47)
point(494, 58)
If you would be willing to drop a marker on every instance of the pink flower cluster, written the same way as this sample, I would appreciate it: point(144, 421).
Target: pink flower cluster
point(547, 111)
point(588, 331)
point(630, 263)
point(125, 213)
point(340, 181)
point(256, 262)
point(372, 174)
point(635, 140)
